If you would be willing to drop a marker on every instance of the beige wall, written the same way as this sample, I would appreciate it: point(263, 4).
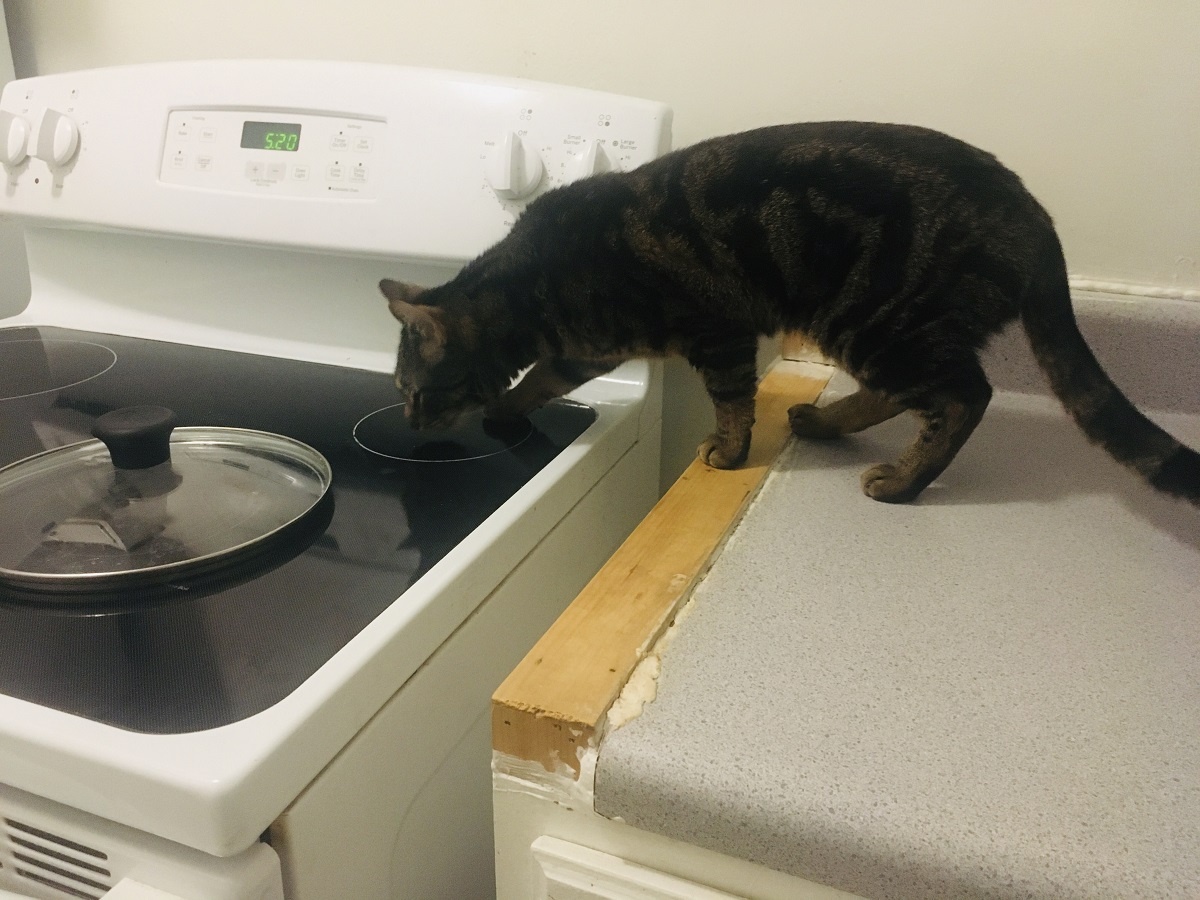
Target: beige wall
point(1096, 104)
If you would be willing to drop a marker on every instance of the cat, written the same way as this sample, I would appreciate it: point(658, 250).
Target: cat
point(898, 250)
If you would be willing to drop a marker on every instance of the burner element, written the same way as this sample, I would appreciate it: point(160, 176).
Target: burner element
point(386, 432)
point(38, 366)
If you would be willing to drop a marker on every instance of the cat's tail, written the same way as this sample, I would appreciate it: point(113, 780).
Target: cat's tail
point(1104, 414)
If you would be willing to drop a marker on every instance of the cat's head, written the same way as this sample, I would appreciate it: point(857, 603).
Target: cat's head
point(435, 366)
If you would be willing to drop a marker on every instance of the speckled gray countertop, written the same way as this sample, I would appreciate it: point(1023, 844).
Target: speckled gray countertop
point(993, 692)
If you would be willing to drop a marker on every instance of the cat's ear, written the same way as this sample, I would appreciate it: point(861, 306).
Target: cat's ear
point(400, 296)
point(423, 320)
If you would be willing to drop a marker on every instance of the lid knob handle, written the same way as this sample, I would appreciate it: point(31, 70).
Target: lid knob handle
point(137, 437)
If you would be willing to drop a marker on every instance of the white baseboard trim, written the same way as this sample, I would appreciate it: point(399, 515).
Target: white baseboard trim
point(1080, 284)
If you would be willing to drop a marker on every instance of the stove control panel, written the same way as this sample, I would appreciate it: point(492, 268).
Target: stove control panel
point(274, 152)
point(332, 156)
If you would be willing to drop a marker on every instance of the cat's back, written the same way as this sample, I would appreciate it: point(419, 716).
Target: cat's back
point(863, 159)
point(882, 140)
point(866, 163)
point(781, 187)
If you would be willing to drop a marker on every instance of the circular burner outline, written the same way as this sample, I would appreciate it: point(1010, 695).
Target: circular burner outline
point(60, 387)
point(411, 459)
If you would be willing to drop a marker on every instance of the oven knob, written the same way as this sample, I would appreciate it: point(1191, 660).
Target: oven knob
point(513, 169)
point(56, 138)
point(591, 161)
point(14, 139)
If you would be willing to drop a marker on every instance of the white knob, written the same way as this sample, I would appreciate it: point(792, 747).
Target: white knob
point(14, 139)
point(592, 161)
point(513, 169)
point(56, 138)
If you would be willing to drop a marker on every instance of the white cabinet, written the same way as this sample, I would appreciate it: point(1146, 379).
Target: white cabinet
point(574, 872)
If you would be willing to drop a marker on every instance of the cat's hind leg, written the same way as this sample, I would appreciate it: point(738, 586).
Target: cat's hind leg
point(727, 364)
point(848, 415)
point(546, 379)
point(949, 413)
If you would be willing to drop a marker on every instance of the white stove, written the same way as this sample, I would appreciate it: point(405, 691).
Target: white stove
point(219, 229)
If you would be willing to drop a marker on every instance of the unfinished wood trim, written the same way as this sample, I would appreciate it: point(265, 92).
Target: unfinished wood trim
point(556, 699)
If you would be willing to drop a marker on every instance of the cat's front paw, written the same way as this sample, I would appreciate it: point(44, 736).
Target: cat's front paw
point(807, 421)
point(723, 453)
point(885, 482)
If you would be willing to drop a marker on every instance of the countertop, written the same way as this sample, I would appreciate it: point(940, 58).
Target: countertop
point(991, 692)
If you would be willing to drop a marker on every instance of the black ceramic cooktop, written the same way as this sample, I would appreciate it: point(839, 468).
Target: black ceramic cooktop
point(191, 655)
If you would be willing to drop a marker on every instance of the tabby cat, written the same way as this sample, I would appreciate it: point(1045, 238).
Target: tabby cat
point(898, 250)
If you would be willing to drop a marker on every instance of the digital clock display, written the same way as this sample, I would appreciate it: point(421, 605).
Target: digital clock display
point(270, 136)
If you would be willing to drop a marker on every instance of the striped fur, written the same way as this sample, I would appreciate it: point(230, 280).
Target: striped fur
point(900, 251)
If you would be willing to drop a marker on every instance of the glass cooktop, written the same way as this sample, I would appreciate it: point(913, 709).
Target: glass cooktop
point(195, 654)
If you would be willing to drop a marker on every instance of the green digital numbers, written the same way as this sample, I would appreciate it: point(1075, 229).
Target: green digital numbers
point(270, 136)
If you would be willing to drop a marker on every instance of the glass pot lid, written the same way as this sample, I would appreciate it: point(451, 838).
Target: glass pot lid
point(147, 501)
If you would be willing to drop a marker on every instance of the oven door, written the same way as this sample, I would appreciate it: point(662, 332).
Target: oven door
point(49, 851)
point(126, 890)
point(129, 889)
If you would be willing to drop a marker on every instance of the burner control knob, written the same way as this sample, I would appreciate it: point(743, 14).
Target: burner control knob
point(56, 138)
point(592, 161)
point(14, 139)
point(514, 170)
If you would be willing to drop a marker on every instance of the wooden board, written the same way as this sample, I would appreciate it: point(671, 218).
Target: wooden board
point(555, 701)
